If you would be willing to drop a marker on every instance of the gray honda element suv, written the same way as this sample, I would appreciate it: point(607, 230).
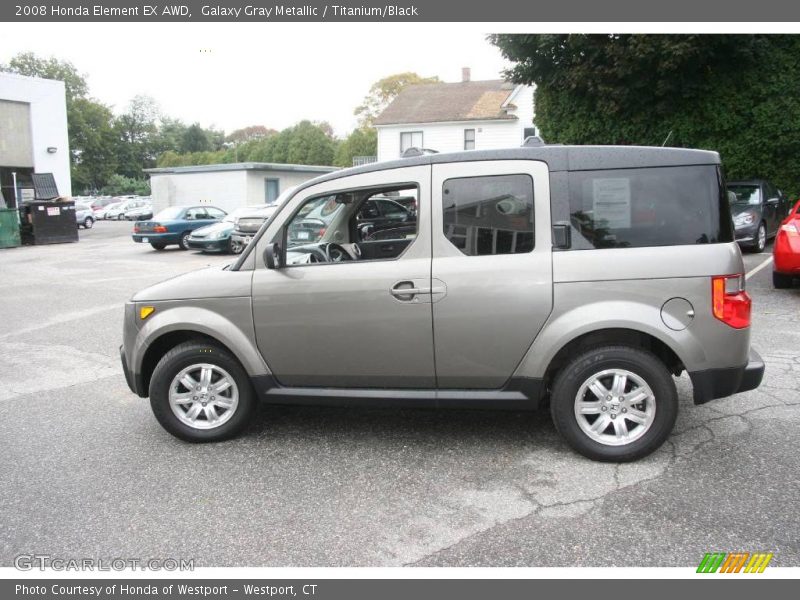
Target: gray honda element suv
point(579, 278)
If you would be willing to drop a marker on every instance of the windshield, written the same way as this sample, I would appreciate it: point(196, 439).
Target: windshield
point(744, 194)
point(173, 212)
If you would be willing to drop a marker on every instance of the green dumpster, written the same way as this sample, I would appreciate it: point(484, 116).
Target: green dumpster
point(9, 228)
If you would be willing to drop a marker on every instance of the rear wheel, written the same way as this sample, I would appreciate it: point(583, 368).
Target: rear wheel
point(614, 403)
point(184, 241)
point(158, 246)
point(781, 281)
point(200, 393)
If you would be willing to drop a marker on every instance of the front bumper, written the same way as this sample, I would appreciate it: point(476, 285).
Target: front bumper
point(133, 380)
point(746, 234)
point(720, 383)
point(208, 245)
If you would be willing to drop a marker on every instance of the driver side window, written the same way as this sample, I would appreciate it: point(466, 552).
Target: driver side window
point(350, 226)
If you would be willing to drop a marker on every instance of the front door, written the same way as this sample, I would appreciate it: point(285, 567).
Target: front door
point(492, 252)
point(353, 320)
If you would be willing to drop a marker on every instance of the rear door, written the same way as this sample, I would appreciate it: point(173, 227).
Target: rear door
point(492, 254)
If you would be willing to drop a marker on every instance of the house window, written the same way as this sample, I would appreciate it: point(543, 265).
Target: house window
point(469, 139)
point(410, 139)
point(271, 190)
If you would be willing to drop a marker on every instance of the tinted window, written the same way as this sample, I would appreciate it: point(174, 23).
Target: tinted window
point(489, 215)
point(215, 212)
point(392, 209)
point(196, 213)
point(634, 208)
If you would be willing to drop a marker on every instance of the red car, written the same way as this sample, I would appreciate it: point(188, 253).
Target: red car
point(786, 251)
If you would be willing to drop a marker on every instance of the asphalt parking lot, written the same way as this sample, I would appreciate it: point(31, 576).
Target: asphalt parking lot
point(88, 472)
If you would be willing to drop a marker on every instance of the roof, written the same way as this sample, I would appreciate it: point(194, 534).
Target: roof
point(246, 166)
point(443, 102)
point(558, 158)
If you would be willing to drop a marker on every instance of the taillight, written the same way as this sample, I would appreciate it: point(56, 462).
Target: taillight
point(729, 302)
point(791, 229)
point(160, 229)
point(135, 229)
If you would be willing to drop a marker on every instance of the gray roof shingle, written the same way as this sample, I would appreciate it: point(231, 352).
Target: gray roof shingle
point(441, 102)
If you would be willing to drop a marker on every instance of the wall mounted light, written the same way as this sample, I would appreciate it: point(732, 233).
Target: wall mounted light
point(52, 149)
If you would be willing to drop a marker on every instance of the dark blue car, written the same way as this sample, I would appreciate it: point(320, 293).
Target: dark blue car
point(173, 225)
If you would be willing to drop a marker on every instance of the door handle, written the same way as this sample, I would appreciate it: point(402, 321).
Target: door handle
point(406, 291)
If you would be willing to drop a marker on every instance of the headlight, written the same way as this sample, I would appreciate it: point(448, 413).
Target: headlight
point(218, 235)
point(743, 219)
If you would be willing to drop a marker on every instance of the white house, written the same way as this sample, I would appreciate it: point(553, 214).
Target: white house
point(227, 186)
point(449, 117)
point(33, 134)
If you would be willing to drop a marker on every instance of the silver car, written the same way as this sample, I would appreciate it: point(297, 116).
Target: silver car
point(582, 279)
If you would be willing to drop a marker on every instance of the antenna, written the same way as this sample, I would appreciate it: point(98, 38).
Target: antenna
point(666, 139)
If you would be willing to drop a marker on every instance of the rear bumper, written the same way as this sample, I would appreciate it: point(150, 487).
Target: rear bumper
point(161, 238)
point(720, 383)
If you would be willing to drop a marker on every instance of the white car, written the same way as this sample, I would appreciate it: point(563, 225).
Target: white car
point(118, 212)
point(102, 212)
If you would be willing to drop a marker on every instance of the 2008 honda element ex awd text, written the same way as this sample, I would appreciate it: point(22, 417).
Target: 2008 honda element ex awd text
point(583, 278)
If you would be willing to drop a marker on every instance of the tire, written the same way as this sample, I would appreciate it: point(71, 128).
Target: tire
point(184, 241)
point(190, 358)
point(235, 247)
point(120, 217)
point(657, 411)
point(88, 222)
point(761, 239)
point(158, 246)
point(781, 281)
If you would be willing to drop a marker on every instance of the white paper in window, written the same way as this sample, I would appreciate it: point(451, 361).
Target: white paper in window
point(612, 202)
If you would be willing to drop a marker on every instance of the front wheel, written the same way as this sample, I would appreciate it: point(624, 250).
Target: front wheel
point(200, 393)
point(88, 222)
point(235, 247)
point(761, 239)
point(614, 403)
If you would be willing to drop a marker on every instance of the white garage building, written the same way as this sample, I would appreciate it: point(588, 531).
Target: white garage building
point(33, 135)
point(227, 186)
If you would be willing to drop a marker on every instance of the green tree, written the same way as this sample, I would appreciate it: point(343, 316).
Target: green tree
point(383, 91)
point(362, 141)
point(27, 63)
point(119, 185)
point(195, 139)
point(92, 145)
point(732, 93)
point(137, 130)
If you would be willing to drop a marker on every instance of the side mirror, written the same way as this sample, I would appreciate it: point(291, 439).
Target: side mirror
point(772, 201)
point(272, 256)
point(562, 236)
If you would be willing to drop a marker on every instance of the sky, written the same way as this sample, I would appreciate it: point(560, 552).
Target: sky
point(231, 75)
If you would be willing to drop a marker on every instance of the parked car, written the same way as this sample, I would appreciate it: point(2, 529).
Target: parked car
point(757, 207)
point(84, 215)
point(217, 237)
point(382, 213)
point(247, 223)
point(140, 213)
point(102, 211)
point(118, 211)
point(174, 225)
point(786, 251)
point(587, 296)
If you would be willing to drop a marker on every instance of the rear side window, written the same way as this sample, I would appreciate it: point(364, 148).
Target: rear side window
point(489, 215)
point(635, 208)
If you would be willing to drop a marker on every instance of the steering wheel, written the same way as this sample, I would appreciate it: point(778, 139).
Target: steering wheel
point(336, 253)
